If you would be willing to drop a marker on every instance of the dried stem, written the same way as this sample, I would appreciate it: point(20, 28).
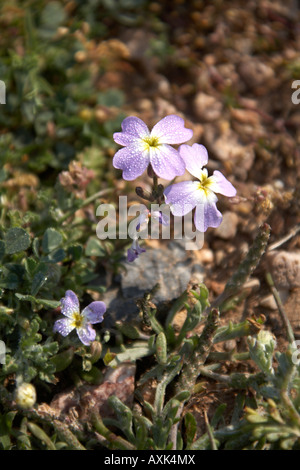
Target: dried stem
point(247, 266)
point(286, 322)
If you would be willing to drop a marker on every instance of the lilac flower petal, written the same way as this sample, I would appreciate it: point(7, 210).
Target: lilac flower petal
point(69, 304)
point(132, 160)
point(64, 326)
point(86, 334)
point(133, 129)
point(166, 162)
point(219, 184)
point(207, 215)
point(195, 157)
point(171, 130)
point(93, 313)
point(163, 219)
point(183, 197)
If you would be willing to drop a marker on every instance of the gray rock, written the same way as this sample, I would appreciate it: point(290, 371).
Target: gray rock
point(171, 266)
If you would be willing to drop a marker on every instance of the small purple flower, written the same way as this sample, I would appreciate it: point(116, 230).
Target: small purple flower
point(134, 251)
point(82, 321)
point(142, 147)
point(184, 196)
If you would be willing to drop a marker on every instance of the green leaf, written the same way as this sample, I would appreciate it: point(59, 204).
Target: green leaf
point(124, 415)
point(190, 428)
point(55, 257)
point(51, 240)
point(39, 433)
point(52, 16)
point(45, 302)
point(46, 274)
point(5, 442)
point(132, 353)
point(30, 266)
point(11, 276)
point(94, 248)
point(75, 251)
point(2, 249)
point(16, 239)
point(111, 97)
point(161, 348)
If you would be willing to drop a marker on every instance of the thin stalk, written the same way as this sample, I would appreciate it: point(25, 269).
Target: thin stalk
point(90, 199)
point(114, 441)
point(247, 266)
point(210, 433)
point(284, 317)
point(192, 368)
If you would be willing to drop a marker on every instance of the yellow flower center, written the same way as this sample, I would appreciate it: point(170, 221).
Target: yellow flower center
point(151, 142)
point(77, 320)
point(204, 182)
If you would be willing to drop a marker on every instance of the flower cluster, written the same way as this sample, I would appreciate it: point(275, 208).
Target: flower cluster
point(144, 149)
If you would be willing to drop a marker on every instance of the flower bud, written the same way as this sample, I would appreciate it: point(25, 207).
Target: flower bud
point(150, 171)
point(25, 395)
point(95, 351)
point(144, 193)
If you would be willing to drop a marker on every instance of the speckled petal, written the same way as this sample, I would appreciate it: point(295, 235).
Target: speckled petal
point(86, 334)
point(64, 326)
point(94, 312)
point(219, 184)
point(171, 130)
point(133, 129)
point(207, 214)
point(183, 197)
point(166, 162)
point(195, 157)
point(132, 160)
point(69, 304)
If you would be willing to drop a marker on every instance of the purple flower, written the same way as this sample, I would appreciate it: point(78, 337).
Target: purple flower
point(142, 147)
point(82, 321)
point(134, 251)
point(184, 196)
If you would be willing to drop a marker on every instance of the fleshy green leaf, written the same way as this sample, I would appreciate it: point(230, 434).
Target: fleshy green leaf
point(51, 240)
point(16, 239)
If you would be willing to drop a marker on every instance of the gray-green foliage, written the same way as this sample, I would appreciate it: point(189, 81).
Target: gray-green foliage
point(45, 250)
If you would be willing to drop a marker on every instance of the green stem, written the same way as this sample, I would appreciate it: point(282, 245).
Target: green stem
point(114, 441)
point(286, 322)
point(155, 182)
point(190, 370)
point(85, 203)
point(246, 268)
